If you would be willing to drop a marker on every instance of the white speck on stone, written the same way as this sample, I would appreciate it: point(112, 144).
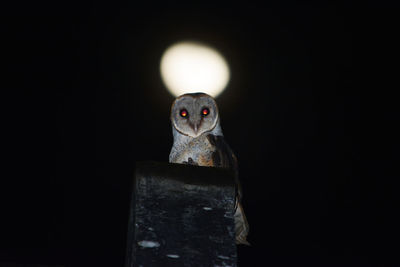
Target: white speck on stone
point(148, 244)
point(223, 257)
point(173, 256)
point(151, 229)
point(207, 208)
point(227, 215)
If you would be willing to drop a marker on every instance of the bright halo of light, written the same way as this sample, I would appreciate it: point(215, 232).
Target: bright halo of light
point(190, 67)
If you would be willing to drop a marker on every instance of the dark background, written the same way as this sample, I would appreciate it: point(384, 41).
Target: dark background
point(87, 102)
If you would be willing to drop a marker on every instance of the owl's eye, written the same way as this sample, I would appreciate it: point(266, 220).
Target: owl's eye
point(205, 111)
point(183, 113)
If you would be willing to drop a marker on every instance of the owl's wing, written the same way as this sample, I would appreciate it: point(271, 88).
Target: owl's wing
point(225, 158)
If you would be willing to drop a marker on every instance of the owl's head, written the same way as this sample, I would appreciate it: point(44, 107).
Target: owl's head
point(194, 114)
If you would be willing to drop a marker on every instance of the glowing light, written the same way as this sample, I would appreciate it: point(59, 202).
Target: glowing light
point(184, 113)
point(190, 67)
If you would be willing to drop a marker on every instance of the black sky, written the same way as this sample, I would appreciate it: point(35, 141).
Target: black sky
point(90, 103)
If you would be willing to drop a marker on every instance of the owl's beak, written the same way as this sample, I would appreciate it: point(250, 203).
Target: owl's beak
point(195, 127)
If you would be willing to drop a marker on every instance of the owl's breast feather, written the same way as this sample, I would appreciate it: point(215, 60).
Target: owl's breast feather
point(200, 150)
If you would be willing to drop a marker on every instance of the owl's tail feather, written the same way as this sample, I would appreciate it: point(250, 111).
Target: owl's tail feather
point(241, 225)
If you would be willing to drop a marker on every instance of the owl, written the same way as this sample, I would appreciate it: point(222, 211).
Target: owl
point(198, 140)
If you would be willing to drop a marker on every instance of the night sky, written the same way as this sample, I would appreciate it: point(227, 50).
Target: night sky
point(89, 103)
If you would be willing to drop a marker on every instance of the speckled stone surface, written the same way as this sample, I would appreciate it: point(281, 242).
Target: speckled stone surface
point(181, 215)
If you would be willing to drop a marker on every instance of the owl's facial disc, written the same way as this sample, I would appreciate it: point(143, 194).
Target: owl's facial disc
point(193, 115)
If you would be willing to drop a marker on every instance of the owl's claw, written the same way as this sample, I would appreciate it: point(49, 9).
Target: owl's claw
point(190, 162)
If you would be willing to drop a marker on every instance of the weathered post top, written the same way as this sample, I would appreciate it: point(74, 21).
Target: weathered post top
point(181, 215)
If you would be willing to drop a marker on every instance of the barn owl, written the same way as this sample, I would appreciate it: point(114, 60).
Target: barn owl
point(198, 140)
